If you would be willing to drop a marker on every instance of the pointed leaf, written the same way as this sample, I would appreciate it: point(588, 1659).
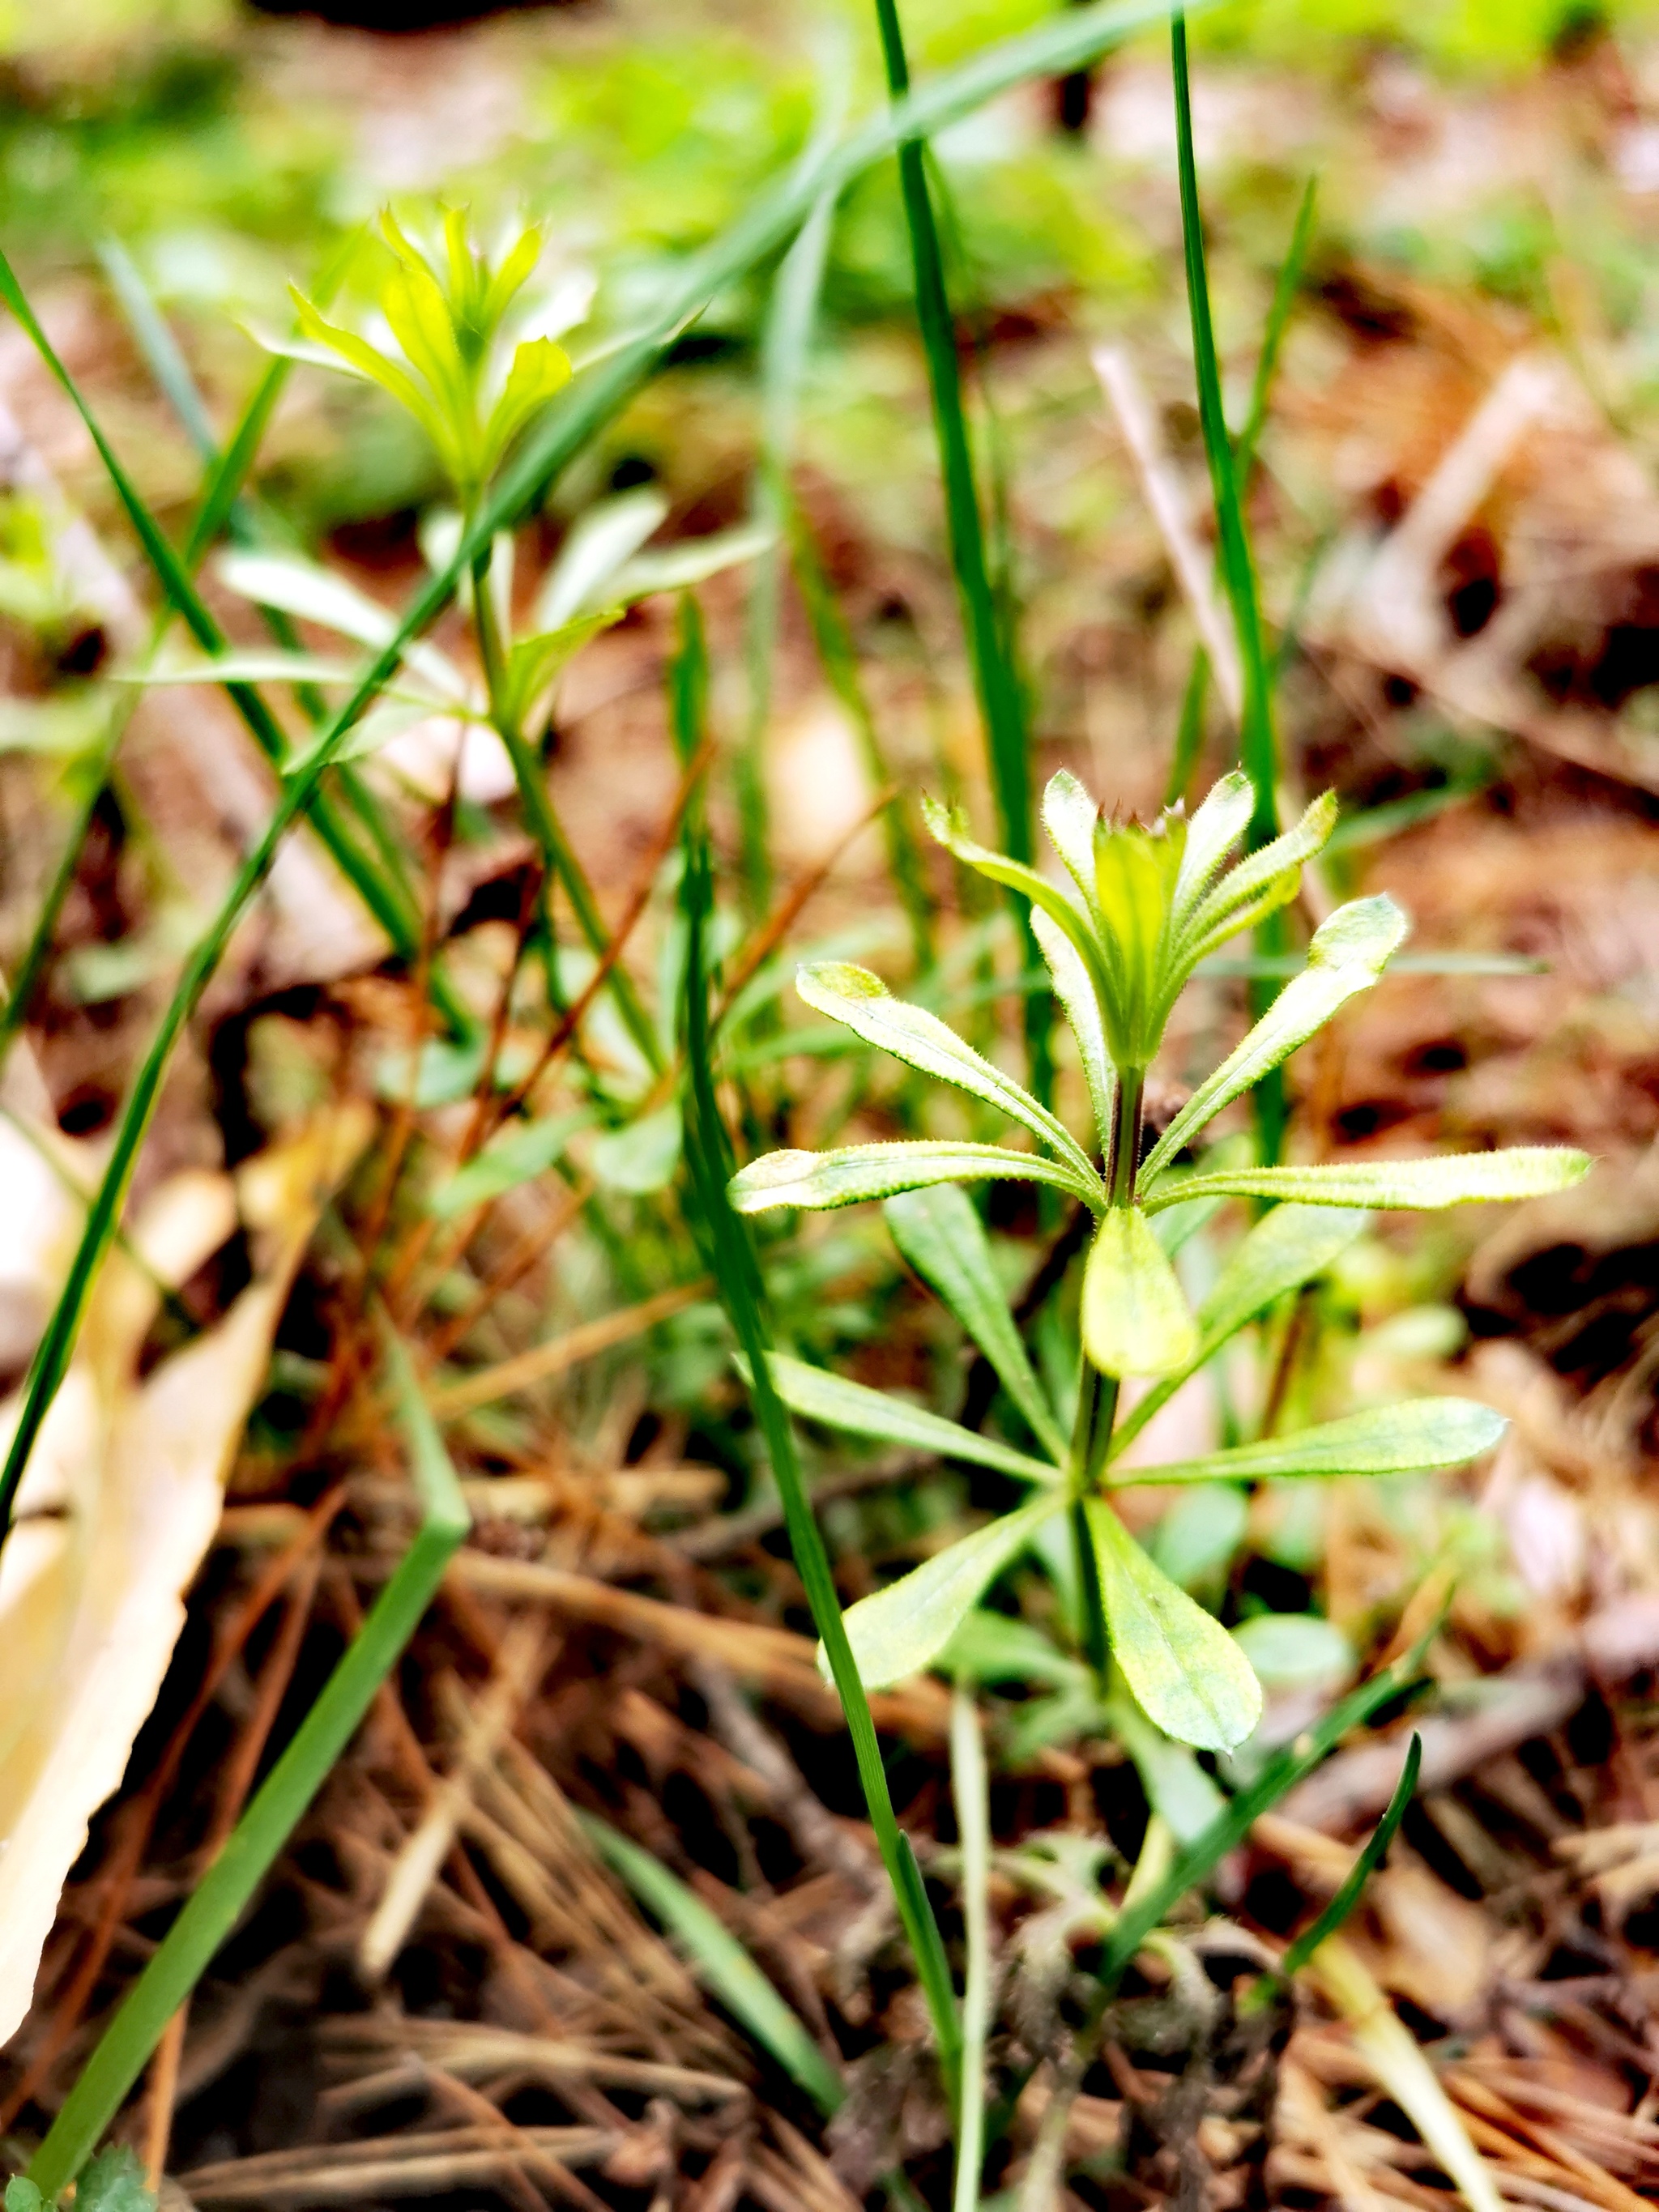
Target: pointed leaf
point(540, 368)
point(524, 1150)
point(270, 667)
point(1347, 954)
point(1186, 1671)
point(1405, 1439)
point(1077, 998)
point(1285, 1249)
point(607, 535)
point(940, 1234)
point(1135, 1317)
point(902, 1628)
point(317, 594)
point(1416, 1186)
point(691, 561)
point(534, 662)
point(818, 1395)
point(1062, 908)
point(819, 1179)
point(1069, 816)
point(1237, 897)
point(413, 304)
point(1215, 828)
point(862, 1001)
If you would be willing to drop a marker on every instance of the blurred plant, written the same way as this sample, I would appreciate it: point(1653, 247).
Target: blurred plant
point(453, 371)
point(1143, 908)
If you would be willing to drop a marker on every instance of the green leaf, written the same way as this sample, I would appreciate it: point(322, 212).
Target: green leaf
point(1295, 1651)
point(22, 2195)
point(719, 1961)
point(1418, 1186)
point(644, 1156)
point(526, 1150)
point(113, 2181)
point(1252, 890)
point(1135, 1318)
point(540, 368)
point(271, 666)
point(951, 829)
point(1070, 817)
point(1082, 1010)
point(1186, 1672)
point(1177, 1786)
point(818, 1395)
point(693, 561)
point(1347, 954)
point(600, 541)
point(819, 1179)
point(317, 594)
point(941, 1235)
point(345, 350)
point(1194, 1541)
point(903, 1629)
point(863, 1003)
point(1215, 828)
point(1405, 1439)
point(534, 662)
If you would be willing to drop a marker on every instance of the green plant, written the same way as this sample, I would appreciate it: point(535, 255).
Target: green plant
point(1143, 908)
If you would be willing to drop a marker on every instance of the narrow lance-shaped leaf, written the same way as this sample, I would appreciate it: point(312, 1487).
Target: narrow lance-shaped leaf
point(1415, 1185)
point(1220, 821)
point(902, 1628)
point(1069, 816)
point(1347, 954)
point(1406, 1439)
point(1268, 876)
point(818, 1395)
point(1186, 1671)
point(1285, 1249)
point(944, 1239)
point(1077, 998)
point(1136, 1320)
point(863, 1003)
point(1060, 907)
point(817, 1180)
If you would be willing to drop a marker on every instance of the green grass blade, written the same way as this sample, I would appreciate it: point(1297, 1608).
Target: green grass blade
point(223, 1895)
point(1286, 286)
point(1282, 1772)
point(721, 1963)
point(166, 363)
point(1362, 1870)
point(1260, 752)
point(735, 1266)
point(587, 405)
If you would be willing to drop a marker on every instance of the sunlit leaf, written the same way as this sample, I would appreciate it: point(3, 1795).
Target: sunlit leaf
point(1136, 1320)
point(534, 662)
point(863, 1003)
point(317, 594)
point(693, 561)
point(540, 368)
point(940, 1234)
point(1215, 828)
point(1405, 1439)
point(818, 1180)
point(818, 1395)
point(1285, 1249)
point(1347, 954)
point(1069, 816)
point(1186, 1673)
point(1062, 908)
point(1459, 1179)
point(1266, 880)
point(1082, 1010)
point(902, 1628)
point(642, 1157)
point(608, 534)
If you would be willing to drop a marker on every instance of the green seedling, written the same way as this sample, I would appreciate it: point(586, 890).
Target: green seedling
point(1137, 910)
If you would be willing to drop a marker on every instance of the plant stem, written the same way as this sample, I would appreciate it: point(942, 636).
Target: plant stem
point(1097, 1393)
point(558, 859)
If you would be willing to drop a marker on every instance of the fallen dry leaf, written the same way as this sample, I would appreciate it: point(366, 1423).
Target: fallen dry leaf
point(118, 1506)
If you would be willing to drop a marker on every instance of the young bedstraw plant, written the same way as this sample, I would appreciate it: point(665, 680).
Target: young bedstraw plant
point(1137, 911)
